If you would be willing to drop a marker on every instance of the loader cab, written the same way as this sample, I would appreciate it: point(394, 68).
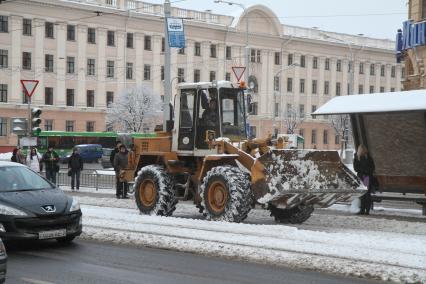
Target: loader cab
point(202, 107)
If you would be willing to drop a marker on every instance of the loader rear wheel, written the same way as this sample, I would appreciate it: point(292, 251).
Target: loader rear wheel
point(296, 215)
point(226, 194)
point(154, 191)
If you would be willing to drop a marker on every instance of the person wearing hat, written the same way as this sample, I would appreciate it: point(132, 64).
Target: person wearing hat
point(121, 161)
point(51, 159)
point(75, 166)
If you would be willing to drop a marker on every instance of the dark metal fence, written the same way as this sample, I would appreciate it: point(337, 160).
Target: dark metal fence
point(93, 180)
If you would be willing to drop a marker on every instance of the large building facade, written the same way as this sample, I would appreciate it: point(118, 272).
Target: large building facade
point(85, 53)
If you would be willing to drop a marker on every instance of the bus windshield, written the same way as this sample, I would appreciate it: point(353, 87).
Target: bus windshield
point(232, 112)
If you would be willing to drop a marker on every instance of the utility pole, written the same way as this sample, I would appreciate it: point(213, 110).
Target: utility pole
point(167, 67)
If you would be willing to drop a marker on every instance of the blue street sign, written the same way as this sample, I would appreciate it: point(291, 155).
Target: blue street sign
point(176, 32)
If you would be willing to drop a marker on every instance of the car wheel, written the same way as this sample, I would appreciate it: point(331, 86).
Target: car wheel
point(65, 240)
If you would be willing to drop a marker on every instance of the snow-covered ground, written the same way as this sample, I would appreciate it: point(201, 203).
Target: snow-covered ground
point(5, 156)
point(379, 246)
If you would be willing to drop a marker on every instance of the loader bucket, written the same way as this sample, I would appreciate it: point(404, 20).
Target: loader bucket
point(292, 177)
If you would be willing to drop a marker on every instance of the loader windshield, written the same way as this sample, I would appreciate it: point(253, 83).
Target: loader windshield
point(232, 112)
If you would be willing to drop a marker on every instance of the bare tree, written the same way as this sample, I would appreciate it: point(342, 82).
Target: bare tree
point(135, 109)
point(341, 126)
point(292, 120)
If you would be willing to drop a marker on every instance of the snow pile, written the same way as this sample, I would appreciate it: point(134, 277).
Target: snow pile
point(5, 156)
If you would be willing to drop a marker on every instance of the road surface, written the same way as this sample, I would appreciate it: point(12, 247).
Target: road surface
point(91, 262)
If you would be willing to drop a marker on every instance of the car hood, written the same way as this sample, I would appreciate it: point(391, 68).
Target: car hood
point(34, 200)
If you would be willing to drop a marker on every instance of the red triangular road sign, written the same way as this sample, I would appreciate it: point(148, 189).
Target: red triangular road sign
point(29, 86)
point(238, 71)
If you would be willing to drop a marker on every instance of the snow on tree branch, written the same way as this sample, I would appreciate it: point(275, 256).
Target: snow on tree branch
point(292, 120)
point(135, 109)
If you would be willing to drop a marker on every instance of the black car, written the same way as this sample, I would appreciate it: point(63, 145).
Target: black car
point(33, 208)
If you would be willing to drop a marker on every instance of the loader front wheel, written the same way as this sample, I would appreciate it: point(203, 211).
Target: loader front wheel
point(226, 194)
point(296, 215)
point(154, 191)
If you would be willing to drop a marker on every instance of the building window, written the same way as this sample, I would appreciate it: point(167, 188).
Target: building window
point(327, 64)
point(392, 90)
point(110, 69)
point(26, 60)
point(212, 76)
point(4, 58)
point(197, 75)
point(277, 58)
point(213, 50)
point(91, 35)
point(129, 71)
point(258, 58)
point(69, 126)
point(349, 67)
point(361, 68)
point(49, 30)
point(3, 126)
point(70, 97)
point(3, 93)
point(290, 59)
point(301, 111)
point(315, 63)
point(48, 62)
point(348, 89)
point(228, 53)
point(325, 137)
point(70, 32)
point(276, 83)
point(181, 75)
point(111, 38)
point(252, 55)
point(372, 71)
point(197, 49)
point(4, 24)
point(254, 109)
point(48, 96)
point(163, 44)
point(90, 126)
point(252, 132)
point(371, 89)
point(70, 64)
point(314, 86)
point(90, 98)
point(228, 76)
point(162, 73)
point(26, 27)
point(181, 51)
point(276, 109)
point(393, 70)
point(423, 9)
point(109, 98)
point(48, 124)
point(382, 89)
point(91, 67)
point(314, 137)
point(337, 139)
point(302, 86)
point(339, 65)
point(360, 89)
point(129, 40)
point(338, 91)
point(147, 42)
point(326, 87)
point(313, 109)
point(289, 84)
point(382, 70)
point(147, 72)
point(302, 61)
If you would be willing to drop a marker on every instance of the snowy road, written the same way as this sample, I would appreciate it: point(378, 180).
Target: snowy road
point(380, 246)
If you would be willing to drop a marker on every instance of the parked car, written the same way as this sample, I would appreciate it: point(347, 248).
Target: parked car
point(89, 153)
point(106, 153)
point(31, 207)
point(3, 262)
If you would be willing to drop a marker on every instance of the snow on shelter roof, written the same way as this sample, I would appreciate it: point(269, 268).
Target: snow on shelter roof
point(373, 103)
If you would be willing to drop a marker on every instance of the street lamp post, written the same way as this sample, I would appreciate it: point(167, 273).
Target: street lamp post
point(246, 61)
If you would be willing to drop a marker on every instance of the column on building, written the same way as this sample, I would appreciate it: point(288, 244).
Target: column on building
point(356, 77)
point(321, 81)
point(366, 77)
point(101, 68)
point(346, 77)
point(296, 83)
point(205, 54)
point(121, 61)
point(15, 58)
point(308, 83)
point(333, 80)
point(398, 77)
point(388, 78)
point(221, 61)
point(266, 97)
point(138, 66)
point(61, 58)
point(82, 66)
point(38, 96)
point(377, 72)
point(157, 86)
point(189, 74)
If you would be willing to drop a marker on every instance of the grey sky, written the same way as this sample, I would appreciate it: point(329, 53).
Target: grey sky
point(323, 14)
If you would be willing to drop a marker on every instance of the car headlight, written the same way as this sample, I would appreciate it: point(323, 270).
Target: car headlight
point(74, 205)
point(7, 210)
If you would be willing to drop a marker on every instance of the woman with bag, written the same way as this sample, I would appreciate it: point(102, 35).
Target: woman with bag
point(364, 167)
point(34, 160)
point(75, 166)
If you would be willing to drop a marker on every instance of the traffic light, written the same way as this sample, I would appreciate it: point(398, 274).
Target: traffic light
point(35, 121)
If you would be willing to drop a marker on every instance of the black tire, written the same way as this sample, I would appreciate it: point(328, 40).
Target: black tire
point(237, 201)
point(162, 201)
point(65, 240)
point(296, 215)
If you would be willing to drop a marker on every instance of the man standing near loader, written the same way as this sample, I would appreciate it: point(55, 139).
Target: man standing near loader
point(120, 163)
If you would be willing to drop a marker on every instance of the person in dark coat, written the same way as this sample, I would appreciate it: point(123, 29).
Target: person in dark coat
point(51, 159)
point(364, 167)
point(115, 151)
point(75, 166)
point(15, 156)
point(121, 162)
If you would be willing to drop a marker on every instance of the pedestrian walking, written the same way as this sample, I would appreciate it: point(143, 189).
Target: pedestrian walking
point(120, 163)
point(18, 156)
point(364, 167)
point(51, 159)
point(75, 166)
point(34, 160)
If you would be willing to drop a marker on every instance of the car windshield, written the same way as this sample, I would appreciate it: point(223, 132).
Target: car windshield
point(21, 178)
